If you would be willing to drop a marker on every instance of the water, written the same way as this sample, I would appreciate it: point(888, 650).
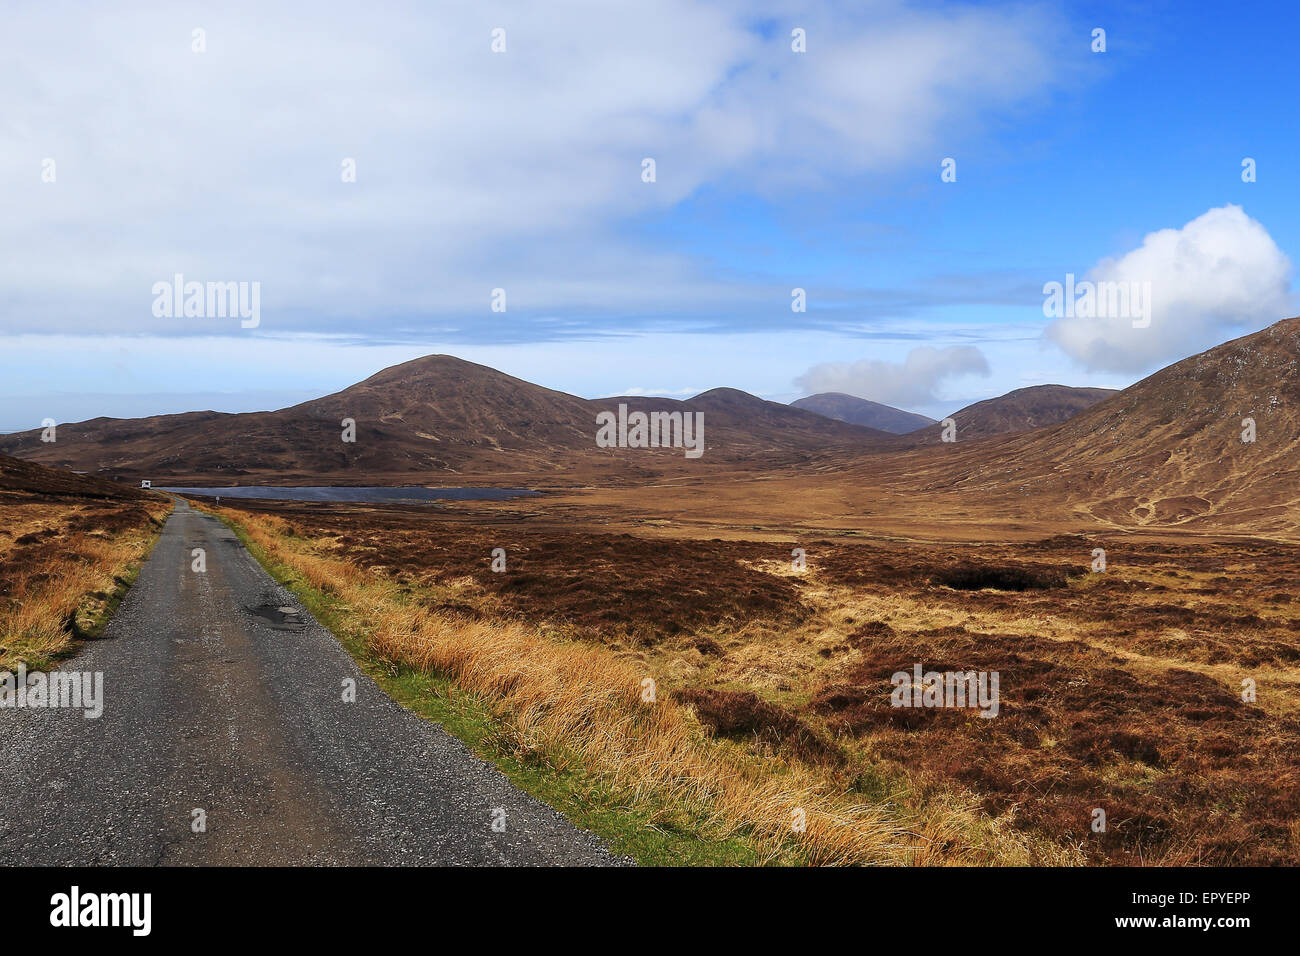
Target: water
point(333, 493)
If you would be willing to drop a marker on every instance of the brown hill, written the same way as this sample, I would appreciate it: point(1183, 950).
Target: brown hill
point(27, 479)
point(1165, 452)
point(771, 427)
point(860, 411)
point(1021, 410)
point(424, 420)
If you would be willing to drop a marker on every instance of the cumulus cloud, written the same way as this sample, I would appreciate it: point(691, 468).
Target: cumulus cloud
point(1222, 271)
point(475, 170)
point(911, 383)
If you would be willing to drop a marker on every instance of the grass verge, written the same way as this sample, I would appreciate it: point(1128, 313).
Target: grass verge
point(66, 585)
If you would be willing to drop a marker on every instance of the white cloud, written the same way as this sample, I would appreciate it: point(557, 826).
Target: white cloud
point(908, 384)
point(474, 170)
point(1221, 271)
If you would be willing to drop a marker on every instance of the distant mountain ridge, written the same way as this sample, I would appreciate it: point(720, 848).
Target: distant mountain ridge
point(861, 411)
point(435, 415)
point(1212, 441)
point(1023, 409)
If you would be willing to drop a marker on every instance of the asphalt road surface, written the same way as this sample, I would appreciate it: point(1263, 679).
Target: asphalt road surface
point(223, 695)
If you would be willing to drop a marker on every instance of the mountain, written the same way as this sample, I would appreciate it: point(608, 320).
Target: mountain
point(1167, 451)
point(860, 411)
point(770, 426)
point(428, 419)
point(1021, 410)
point(1170, 449)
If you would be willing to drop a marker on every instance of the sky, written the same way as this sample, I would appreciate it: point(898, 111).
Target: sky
point(394, 180)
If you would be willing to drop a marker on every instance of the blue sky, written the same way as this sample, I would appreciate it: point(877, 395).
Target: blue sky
point(522, 169)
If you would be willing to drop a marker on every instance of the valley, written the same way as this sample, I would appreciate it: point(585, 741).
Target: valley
point(1120, 690)
point(708, 645)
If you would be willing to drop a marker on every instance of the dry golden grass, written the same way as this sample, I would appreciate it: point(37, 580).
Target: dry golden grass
point(61, 565)
point(580, 706)
point(1121, 691)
